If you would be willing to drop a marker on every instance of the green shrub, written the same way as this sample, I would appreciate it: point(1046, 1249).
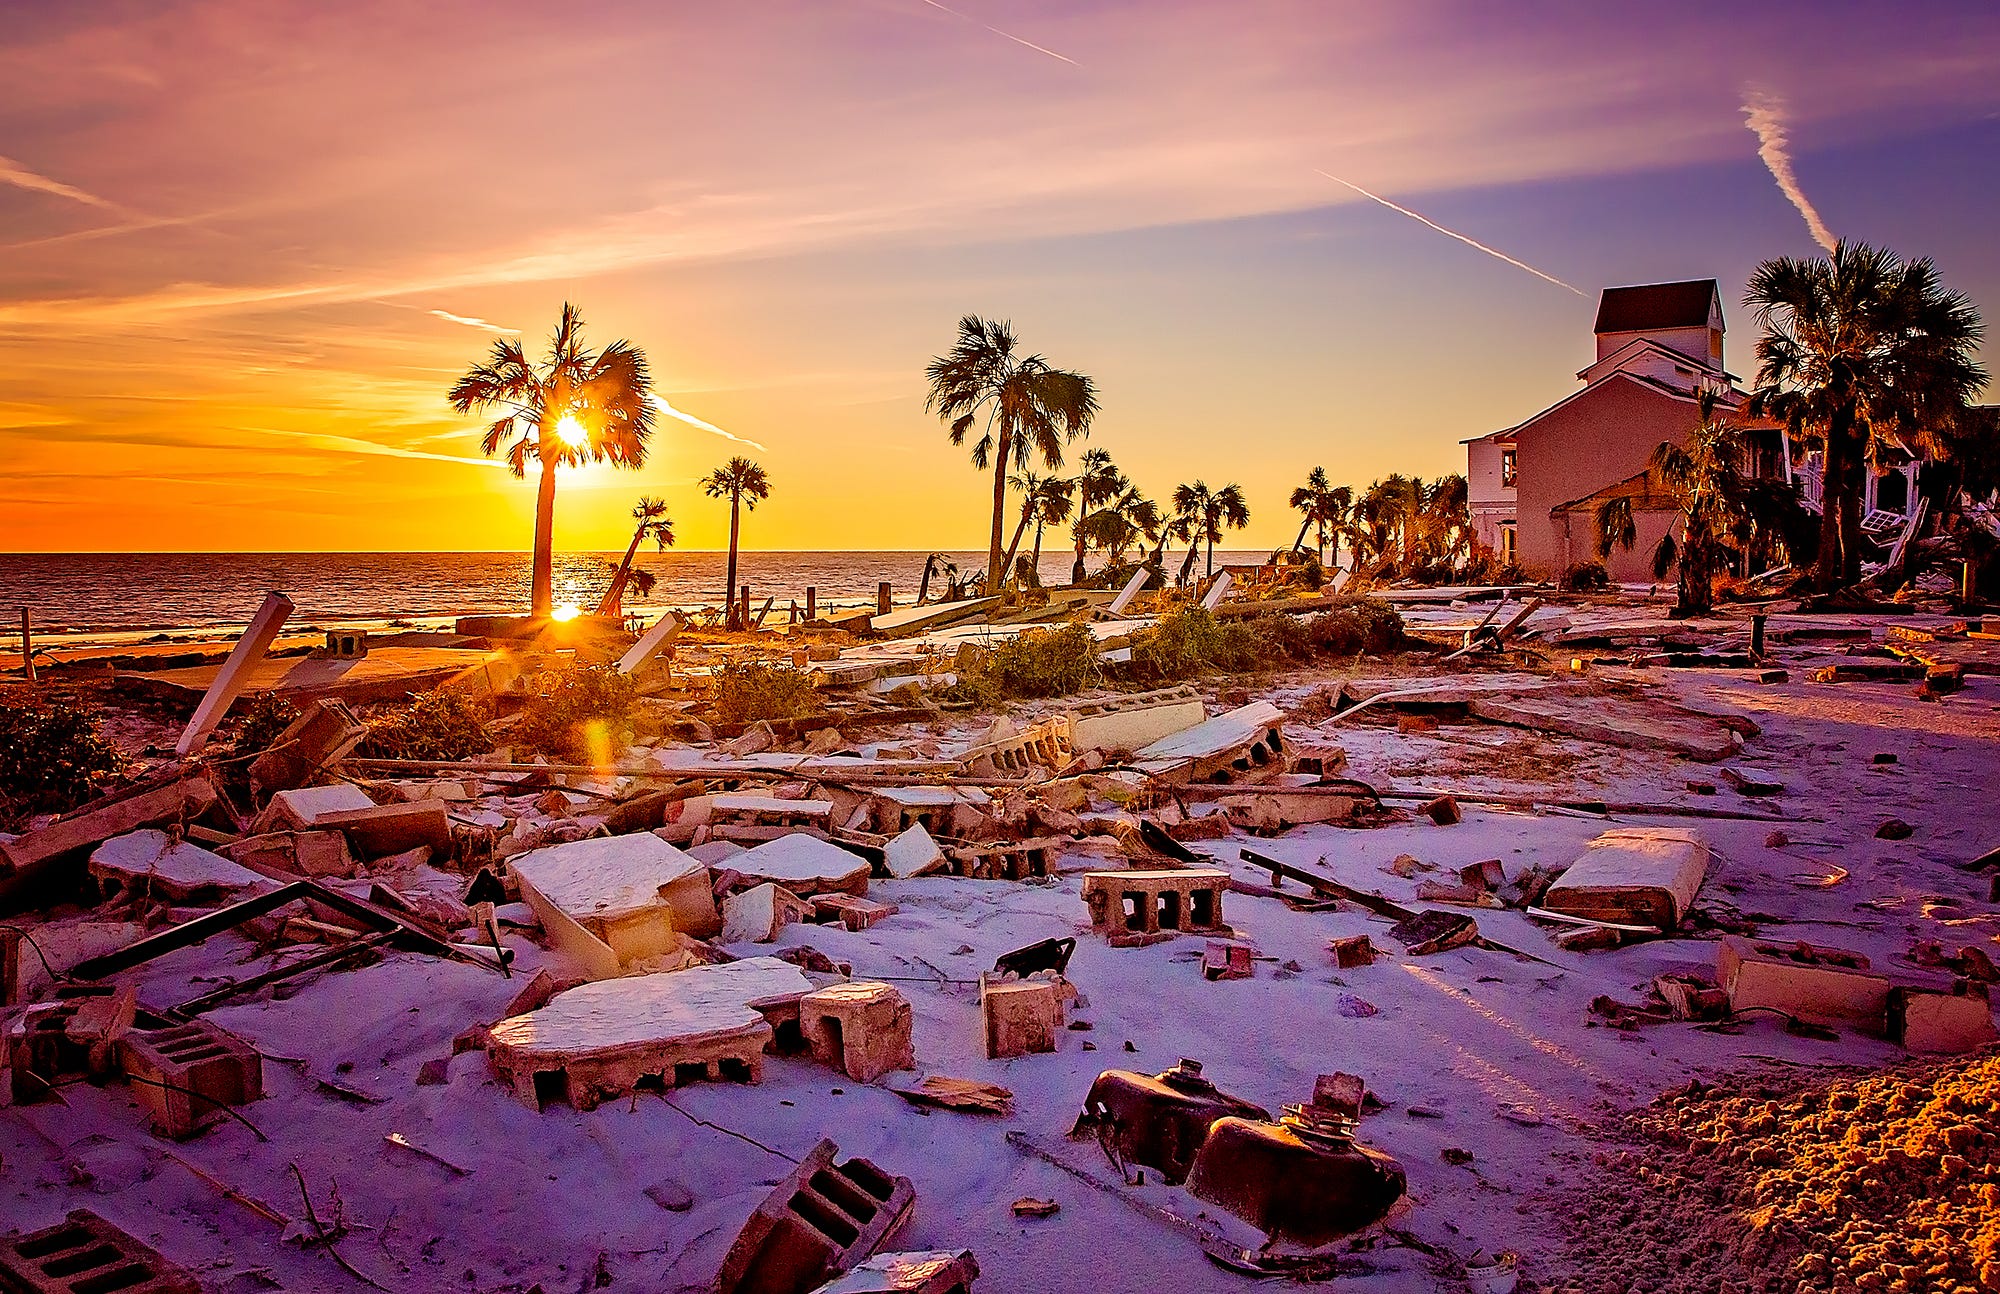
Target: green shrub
point(1184, 643)
point(1363, 626)
point(435, 725)
point(52, 757)
point(1279, 638)
point(264, 717)
point(1042, 662)
point(748, 691)
point(582, 716)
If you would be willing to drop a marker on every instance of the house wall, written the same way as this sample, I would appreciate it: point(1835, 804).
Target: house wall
point(1599, 438)
point(1701, 343)
point(1489, 501)
point(1576, 541)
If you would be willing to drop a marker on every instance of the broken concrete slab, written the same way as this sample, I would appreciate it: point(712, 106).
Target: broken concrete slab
point(1010, 753)
point(1646, 876)
point(379, 830)
point(805, 865)
point(860, 1028)
point(1824, 986)
point(1135, 721)
point(912, 853)
point(932, 1272)
point(1186, 899)
point(174, 802)
point(744, 817)
point(651, 643)
point(156, 865)
point(760, 912)
point(1650, 726)
point(612, 901)
point(302, 807)
point(821, 1220)
point(599, 1040)
point(1243, 745)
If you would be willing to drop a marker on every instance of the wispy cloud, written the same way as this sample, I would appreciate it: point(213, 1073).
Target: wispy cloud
point(1764, 113)
point(470, 322)
point(1452, 233)
point(356, 445)
point(1039, 49)
point(660, 402)
point(12, 172)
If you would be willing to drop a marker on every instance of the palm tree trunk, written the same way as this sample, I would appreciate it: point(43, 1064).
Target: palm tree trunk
point(729, 593)
point(542, 581)
point(993, 571)
point(1303, 527)
point(1211, 553)
point(1830, 569)
point(1038, 548)
point(614, 596)
point(1015, 546)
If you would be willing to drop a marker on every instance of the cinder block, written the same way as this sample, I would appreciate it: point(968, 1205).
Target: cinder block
point(820, 1221)
point(1939, 1021)
point(1187, 899)
point(1021, 1016)
point(1825, 986)
point(84, 1254)
point(860, 1028)
point(184, 1074)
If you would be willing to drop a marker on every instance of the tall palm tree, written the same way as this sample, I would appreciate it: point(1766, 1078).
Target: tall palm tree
point(1045, 501)
point(1097, 482)
point(1859, 348)
point(1705, 478)
point(1032, 409)
point(651, 516)
point(1445, 521)
point(1124, 521)
point(1211, 511)
point(744, 484)
point(1324, 506)
point(576, 406)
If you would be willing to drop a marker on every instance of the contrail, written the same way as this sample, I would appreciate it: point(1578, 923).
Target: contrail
point(12, 172)
point(661, 402)
point(1452, 233)
point(1764, 113)
point(1039, 49)
point(470, 322)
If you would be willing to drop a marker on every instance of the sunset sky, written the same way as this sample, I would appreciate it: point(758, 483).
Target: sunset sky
point(245, 246)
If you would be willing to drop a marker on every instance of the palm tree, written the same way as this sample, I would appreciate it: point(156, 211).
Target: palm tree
point(1324, 506)
point(1860, 350)
point(1705, 479)
point(744, 484)
point(1616, 526)
point(651, 516)
point(577, 406)
point(1032, 409)
point(1045, 501)
point(1444, 522)
point(1211, 511)
point(1097, 482)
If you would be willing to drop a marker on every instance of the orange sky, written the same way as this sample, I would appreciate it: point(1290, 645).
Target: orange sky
point(245, 247)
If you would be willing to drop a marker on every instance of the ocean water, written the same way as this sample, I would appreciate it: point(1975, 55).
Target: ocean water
point(164, 591)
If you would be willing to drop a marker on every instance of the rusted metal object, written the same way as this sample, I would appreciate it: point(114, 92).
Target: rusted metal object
point(1303, 1180)
point(1159, 1122)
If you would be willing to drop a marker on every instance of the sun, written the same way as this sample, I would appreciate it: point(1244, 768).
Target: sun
point(572, 431)
point(567, 611)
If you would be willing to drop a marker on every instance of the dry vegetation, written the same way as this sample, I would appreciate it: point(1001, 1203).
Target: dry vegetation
point(1879, 1182)
point(52, 755)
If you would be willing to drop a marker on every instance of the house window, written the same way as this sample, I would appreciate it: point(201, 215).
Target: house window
point(1507, 467)
point(1892, 493)
point(1507, 535)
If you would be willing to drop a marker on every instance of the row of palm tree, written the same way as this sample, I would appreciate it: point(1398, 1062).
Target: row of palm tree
point(1863, 355)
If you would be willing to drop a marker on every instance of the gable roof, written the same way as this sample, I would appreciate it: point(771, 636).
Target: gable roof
point(1639, 345)
point(1656, 305)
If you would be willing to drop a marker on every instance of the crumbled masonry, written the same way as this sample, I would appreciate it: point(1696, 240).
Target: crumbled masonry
point(1570, 943)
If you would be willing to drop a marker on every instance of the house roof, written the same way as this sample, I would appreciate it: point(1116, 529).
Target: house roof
point(1647, 492)
point(1656, 305)
point(1639, 345)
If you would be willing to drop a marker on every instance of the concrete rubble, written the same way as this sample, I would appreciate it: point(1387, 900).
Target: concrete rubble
point(1475, 869)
